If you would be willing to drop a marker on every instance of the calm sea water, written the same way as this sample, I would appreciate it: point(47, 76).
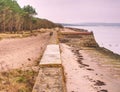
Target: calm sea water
point(106, 36)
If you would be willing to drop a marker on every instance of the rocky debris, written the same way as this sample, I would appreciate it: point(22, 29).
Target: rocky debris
point(99, 83)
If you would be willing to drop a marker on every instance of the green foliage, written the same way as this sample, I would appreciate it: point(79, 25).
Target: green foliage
point(30, 10)
point(13, 18)
point(12, 4)
point(22, 90)
point(21, 79)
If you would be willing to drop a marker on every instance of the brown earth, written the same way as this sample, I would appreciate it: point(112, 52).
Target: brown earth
point(22, 52)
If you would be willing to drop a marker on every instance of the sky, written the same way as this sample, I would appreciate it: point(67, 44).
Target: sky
point(76, 11)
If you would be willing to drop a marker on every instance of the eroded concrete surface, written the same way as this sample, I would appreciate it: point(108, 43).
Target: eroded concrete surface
point(50, 79)
point(51, 76)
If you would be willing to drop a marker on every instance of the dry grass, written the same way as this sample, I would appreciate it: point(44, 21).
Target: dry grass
point(21, 34)
point(17, 80)
point(6, 35)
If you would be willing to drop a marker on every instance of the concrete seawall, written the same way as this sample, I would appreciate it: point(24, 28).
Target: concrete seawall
point(51, 55)
point(51, 74)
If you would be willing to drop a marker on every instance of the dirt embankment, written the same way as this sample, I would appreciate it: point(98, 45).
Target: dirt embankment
point(22, 52)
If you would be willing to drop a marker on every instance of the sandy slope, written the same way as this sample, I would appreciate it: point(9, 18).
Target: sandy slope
point(15, 53)
point(84, 71)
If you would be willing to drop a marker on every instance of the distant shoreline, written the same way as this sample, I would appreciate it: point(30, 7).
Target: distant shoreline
point(91, 24)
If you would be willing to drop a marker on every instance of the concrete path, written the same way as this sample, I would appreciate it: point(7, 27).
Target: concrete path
point(50, 79)
point(51, 74)
point(51, 55)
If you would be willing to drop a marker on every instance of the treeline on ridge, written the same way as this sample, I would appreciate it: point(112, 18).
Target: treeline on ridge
point(13, 18)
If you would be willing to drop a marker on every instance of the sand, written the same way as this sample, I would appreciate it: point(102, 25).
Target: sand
point(84, 71)
point(22, 52)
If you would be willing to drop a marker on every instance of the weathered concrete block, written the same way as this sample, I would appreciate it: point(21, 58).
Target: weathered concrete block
point(50, 79)
point(51, 76)
point(51, 55)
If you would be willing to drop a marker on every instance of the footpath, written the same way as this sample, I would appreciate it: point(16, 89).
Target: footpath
point(51, 74)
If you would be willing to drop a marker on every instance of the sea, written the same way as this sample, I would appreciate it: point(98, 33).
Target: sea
point(107, 35)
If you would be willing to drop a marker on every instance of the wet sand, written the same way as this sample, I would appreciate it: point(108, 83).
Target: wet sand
point(85, 71)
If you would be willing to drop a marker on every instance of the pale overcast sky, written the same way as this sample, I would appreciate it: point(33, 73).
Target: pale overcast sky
point(76, 11)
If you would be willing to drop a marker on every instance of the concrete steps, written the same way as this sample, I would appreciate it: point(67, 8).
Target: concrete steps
point(51, 74)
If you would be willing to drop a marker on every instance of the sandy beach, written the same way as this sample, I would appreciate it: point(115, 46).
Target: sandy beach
point(86, 72)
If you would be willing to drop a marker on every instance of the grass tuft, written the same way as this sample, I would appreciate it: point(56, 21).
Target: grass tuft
point(17, 80)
